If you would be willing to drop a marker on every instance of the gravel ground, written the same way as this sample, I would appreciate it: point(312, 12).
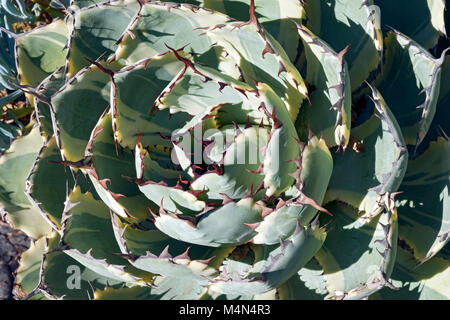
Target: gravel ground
point(12, 244)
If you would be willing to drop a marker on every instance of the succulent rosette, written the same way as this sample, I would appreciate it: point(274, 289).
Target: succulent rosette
point(232, 149)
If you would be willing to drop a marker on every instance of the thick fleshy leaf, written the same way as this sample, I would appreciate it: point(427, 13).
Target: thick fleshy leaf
point(409, 82)
point(424, 204)
point(107, 166)
point(198, 92)
point(133, 293)
point(273, 264)
point(275, 16)
point(357, 260)
point(349, 22)
point(14, 168)
point(159, 182)
point(95, 30)
point(375, 167)
point(185, 218)
point(329, 111)
point(49, 182)
point(142, 239)
point(422, 20)
point(88, 238)
point(136, 92)
point(222, 104)
point(191, 273)
point(161, 24)
point(276, 166)
point(8, 132)
point(10, 97)
point(41, 99)
point(307, 284)
point(56, 275)
point(78, 105)
point(440, 126)
point(260, 57)
point(202, 90)
point(211, 295)
point(224, 226)
point(136, 79)
point(184, 275)
point(165, 288)
point(28, 272)
point(151, 250)
point(429, 281)
point(84, 3)
point(314, 166)
point(41, 51)
point(182, 97)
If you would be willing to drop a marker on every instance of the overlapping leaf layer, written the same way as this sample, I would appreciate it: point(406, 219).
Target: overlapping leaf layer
point(234, 149)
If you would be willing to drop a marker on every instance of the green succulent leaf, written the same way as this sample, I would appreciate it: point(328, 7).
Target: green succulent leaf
point(416, 75)
point(151, 250)
point(259, 57)
point(58, 276)
point(165, 289)
point(423, 205)
point(7, 133)
point(10, 97)
point(429, 281)
point(375, 167)
point(95, 30)
point(279, 166)
point(21, 212)
point(139, 240)
point(171, 150)
point(315, 161)
point(171, 289)
point(78, 105)
point(89, 239)
point(45, 114)
point(59, 272)
point(273, 264)
point(275, 16)
point(85, 3)
point(224, 226)
point(439, 127)
point(49, 182)
point(107, 165)
point(41, 51)
point(239, 177)
point(349, 22)
point(357, 259)
point(134, 115)
point(329, 111)
point(29, 270)
point(307, 284)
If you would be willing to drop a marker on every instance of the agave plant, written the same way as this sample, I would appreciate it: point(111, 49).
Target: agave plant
point(234, 149)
